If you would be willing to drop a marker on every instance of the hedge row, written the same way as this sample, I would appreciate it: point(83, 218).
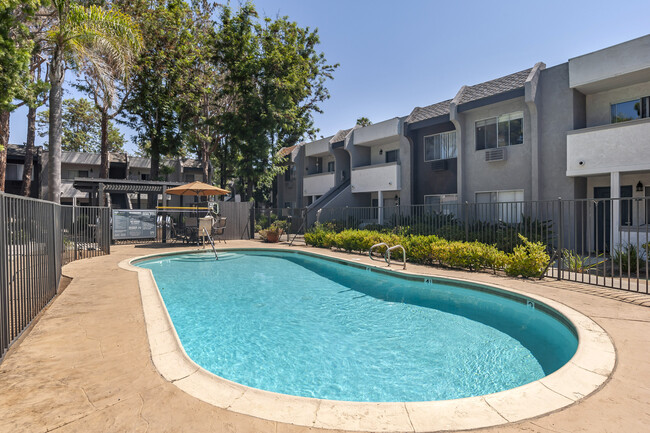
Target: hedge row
point(528, 260)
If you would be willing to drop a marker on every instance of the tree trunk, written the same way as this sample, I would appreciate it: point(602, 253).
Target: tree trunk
point(103, 170)
point(29, 153)
point(4, 142)
point(57, 73)
point(152, 199)
point(205, 163)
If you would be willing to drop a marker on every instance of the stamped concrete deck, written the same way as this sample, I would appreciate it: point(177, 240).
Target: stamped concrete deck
point(86, 363)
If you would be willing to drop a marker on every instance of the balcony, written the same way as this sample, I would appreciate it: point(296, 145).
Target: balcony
point(378, 177)
point(618, 147)
point(317, 184)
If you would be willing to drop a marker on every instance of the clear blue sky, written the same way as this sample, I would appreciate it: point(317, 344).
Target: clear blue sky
point(396, 55)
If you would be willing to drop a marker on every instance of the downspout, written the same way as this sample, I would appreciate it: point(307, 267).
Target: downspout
point(456, 118)
point(531, 92)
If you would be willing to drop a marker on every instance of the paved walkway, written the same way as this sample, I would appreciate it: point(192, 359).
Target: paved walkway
point(85, 365)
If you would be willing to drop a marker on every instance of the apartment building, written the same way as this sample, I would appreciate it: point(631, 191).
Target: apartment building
point(577, 130)
point(609, 152)
point(77, 166)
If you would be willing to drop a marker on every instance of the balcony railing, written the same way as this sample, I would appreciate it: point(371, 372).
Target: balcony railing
point(608, 148)
point(378, 177)
point(318, 184)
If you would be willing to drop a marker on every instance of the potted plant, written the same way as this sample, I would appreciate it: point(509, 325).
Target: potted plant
point(275, 230)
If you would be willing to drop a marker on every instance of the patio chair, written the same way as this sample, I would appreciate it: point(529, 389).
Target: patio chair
point(219, 229)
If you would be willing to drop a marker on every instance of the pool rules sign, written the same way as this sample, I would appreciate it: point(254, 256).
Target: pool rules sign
point(134, 224)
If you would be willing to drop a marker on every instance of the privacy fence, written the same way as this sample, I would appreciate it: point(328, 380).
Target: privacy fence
point(596, 241)
point(36, 239)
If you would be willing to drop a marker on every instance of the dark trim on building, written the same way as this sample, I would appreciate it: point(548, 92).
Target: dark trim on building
point(510, 94)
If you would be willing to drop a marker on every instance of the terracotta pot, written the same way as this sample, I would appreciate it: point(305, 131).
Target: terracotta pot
point(273, 237)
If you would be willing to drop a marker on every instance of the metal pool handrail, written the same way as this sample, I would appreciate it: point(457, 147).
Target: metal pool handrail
point(216, 257)
point(391, 249)
point(377, 246)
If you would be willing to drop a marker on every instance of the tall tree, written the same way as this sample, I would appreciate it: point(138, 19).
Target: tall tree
point(15, 52)
point(107, 83)
point(35, 96)
point(276, 80)
point(82, 128)
point(81, 34)
point(162, 74)
point(363, 121)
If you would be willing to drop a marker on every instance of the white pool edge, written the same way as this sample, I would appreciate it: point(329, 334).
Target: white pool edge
point(586, 372)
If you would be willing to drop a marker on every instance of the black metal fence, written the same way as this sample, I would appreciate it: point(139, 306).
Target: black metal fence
point(596, 241)
point(36, 239)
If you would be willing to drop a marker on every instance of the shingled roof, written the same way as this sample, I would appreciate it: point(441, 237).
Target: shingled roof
point(428, 112)
point(287, 150)
point(340, 136)
point(494, 87)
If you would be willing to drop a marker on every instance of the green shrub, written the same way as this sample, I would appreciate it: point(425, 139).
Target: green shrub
point(320, 237)
point(527, 260)
point(418, 248)
point(625, 257)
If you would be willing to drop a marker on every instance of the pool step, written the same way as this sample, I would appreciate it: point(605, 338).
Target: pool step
point(206, 258)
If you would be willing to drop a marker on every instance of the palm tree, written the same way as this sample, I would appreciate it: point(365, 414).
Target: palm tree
point(94, 35)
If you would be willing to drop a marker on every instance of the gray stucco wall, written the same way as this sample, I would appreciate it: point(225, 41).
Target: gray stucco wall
point(513, 173)
point(425, 180)
point(560, 109)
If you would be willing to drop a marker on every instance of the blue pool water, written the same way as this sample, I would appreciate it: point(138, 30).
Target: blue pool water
point(296, 324)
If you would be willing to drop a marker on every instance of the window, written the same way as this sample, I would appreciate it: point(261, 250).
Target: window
point(331, 167)
point(503, 206)
point(441, 203)
point(630, 110)
point(440, 146)
point(144, 176)
point(189, 177)
point(392, 155)
point(71, 174)
point(505, 130)
point(287, 174)
point(14, 172)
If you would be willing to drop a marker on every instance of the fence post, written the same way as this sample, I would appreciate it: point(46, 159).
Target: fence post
point(74, 230)
point(4, 280)
point(466, 215)
point(560, 235)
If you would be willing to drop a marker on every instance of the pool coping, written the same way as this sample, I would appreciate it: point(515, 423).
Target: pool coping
point(585, 373)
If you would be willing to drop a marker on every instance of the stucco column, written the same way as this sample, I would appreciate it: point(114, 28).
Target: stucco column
point(380, 206)
point(615, 192)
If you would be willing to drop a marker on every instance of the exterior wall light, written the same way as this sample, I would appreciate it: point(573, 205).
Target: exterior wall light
point(381, 151)
point(639, 187)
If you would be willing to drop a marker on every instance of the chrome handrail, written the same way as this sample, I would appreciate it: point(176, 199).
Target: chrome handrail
point(391, 249)
point(376, 246)
point(216, 257)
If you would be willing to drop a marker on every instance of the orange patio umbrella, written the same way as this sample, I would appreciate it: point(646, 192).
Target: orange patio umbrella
point(197, 189)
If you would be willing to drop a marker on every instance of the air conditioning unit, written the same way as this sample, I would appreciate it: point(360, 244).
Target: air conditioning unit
point(439, 165)
point(498, 154)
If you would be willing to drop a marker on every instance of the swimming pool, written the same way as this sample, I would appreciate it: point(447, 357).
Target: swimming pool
point(296, 324)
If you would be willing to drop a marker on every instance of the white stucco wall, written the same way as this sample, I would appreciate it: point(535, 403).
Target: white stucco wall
point(609, 63)
point(318, 147)
point(317, 184)
point(621, 147)
point(384, 177)
point(376, 158)
point(599, 104)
